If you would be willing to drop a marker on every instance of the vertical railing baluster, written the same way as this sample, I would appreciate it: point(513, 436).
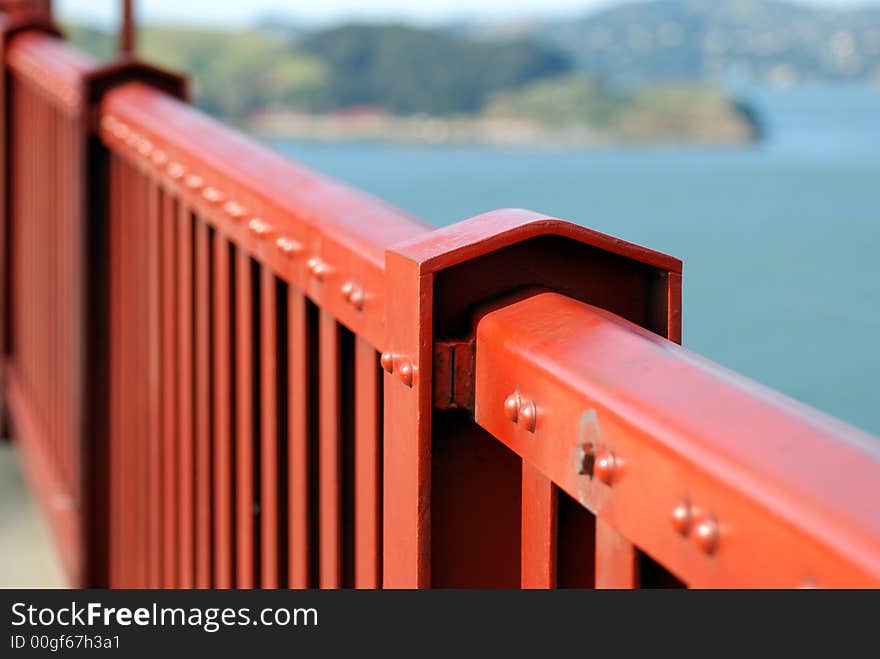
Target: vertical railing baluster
point(203, 404)
point(186, 535)
point(368, 467)
point(268, 429)
point(298, 448)
point(616, 558)
point(154, 415)
point(244, 393)
point(223, 430)
point(539, 529)
point(170, 451)
point(330, 458)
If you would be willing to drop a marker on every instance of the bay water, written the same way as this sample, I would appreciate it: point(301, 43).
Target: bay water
point(780, 239)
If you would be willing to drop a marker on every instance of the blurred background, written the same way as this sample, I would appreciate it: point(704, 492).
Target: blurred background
point(742, 136)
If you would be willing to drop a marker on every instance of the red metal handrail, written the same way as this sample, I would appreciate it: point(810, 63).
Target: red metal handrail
point(723, 481)
point(192, 370)
point(231, 180)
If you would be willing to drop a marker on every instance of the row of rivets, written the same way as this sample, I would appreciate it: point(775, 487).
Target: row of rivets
point(521, 411)
point(705, 533)
point(405, 369)
point(319, 269)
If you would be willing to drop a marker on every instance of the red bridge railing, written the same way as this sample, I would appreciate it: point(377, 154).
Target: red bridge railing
point(193, 333)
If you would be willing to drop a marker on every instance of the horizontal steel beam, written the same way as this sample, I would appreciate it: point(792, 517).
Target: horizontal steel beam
point(724, 482)
point(312, 231)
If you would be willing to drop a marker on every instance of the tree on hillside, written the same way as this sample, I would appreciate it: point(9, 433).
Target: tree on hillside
point(408, 70)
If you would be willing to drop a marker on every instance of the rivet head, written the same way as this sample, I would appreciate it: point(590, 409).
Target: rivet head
point(387, 362)
point(706, 535)
point(681, 518)
point(132, 139)
point(175, 170)
point(212, 195)
point(528, 415)
point(121, 131)
point(259, 227)
point(234, 210)
point(511, 406)
point(159, 157)
point(347, 289)
point(406, 373)
point(194, 181)
point(318, 268)
point(605, 466)
point(288, 246)
point(357, 298)
point(108, 123)
point(145, 147)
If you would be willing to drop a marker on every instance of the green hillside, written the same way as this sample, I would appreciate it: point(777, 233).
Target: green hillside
point(363, 77)
point(764, 41)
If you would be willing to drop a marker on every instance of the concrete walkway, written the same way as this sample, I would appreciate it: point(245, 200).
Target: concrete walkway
point(27, 553)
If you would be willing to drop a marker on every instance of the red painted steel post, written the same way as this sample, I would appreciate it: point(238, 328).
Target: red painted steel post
point(445, 478)
point(407, 387)
point(127, 33)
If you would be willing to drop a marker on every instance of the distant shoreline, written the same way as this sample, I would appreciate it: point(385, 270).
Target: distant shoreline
point(488, 131)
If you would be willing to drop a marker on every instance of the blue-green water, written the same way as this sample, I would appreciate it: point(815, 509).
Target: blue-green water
point(780, 241)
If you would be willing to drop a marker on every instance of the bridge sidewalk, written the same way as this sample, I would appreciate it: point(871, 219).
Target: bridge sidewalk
point(27, 553)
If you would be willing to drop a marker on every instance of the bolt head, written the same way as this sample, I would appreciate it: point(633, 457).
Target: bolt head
point(528, 415)
point(706, 535)
point(121, 131)
point(681, 518)
point(318, 268)
point(387, 362)
point(259, 228)
point(212, 195)
point(234, 210)
point(347, 290)
point(288, 246)
point(357, 298)
point(406, 373)
point(194, 181)
point(175, 170)
point(511, 406)
point(605, 466)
